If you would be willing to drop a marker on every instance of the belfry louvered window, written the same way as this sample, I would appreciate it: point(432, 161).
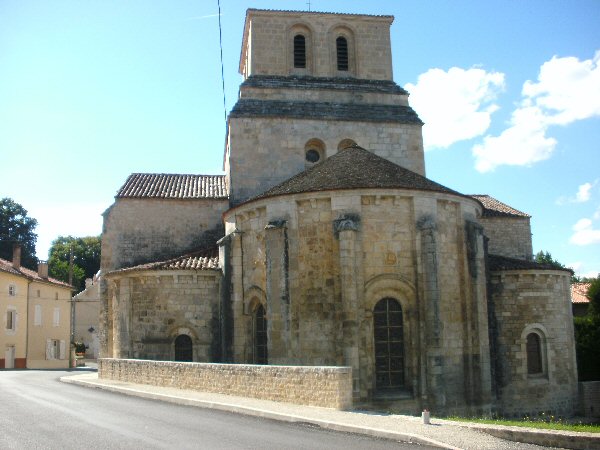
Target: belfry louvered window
point(299, 51)
point(341, 45)
point(389, 344)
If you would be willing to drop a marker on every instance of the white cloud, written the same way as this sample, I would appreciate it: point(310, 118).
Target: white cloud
point(585, 233)
point(567, 90)
point(576, 266)
point(455, 105)
point(584, 193)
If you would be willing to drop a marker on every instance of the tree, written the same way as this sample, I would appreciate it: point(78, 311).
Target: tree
point(546, 258)
point(86, 259)
point(17, 227)
point(587, 336)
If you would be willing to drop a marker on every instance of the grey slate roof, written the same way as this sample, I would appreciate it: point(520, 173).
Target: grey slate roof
point(495, 208)
point(204, 259)
point(324, 111)
point(354, 168)
point(308, 82)
point(176, 186)
point(496, 262)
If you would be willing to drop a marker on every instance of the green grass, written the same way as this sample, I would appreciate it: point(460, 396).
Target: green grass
point(542, 422)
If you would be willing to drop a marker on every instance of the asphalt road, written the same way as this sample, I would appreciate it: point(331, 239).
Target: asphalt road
point(39, 412)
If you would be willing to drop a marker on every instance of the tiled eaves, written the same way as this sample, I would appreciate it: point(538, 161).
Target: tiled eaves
point(325, 83)
point(324, 111)
point(500, 263)
point(204, 259)
point(495, 208)
point(174, 186)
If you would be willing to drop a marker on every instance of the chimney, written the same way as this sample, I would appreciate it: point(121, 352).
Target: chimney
point(43, 269)
point(16, 259)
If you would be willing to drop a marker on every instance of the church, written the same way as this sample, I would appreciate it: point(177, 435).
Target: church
point(325, 244)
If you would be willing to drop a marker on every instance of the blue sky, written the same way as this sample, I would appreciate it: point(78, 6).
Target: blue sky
point(91, 91)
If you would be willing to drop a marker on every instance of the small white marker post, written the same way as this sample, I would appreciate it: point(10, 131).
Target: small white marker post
point(425, 417)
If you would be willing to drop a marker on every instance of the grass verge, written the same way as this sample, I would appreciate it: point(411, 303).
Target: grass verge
point(548, 423)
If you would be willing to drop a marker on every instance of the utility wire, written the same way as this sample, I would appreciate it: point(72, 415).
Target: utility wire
point(222, 68)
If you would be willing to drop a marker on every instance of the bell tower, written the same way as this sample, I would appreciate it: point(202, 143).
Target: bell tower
point(315, 83)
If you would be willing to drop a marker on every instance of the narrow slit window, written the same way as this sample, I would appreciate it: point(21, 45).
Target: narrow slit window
point(299, 51)
point(534, 354)
point(342, 53)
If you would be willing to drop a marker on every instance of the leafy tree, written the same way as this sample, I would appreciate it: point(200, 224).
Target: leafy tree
point(546, 258)
point(86, 259)
point(17, 227)
point(587, 336)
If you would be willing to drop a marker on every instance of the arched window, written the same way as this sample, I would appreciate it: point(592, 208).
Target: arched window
point(389, 344)
point(299, 51)
point(314, 151)
point(260, 336)
point(341, 45)
point(534, 354)
point(183, 348)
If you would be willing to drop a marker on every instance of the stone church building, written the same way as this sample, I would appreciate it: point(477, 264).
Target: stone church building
point(325, 244)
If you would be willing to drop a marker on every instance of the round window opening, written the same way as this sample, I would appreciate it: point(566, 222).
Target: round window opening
point(312, 156)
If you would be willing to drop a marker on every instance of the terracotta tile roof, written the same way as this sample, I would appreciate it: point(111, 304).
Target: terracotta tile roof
point(178, 186)
point(354, 168)
point(495, 208)
point(204, 259)
point(7, 266)
point(324, 111)
point(579, 292)
point(496, 262)
point(292, 11)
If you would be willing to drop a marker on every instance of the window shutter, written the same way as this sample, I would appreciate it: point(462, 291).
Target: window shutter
point(56, 321)
point(48, 348)
point(62, 350)
point(37, 315)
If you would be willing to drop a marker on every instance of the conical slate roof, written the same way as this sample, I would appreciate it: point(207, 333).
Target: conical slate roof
point(354, 168)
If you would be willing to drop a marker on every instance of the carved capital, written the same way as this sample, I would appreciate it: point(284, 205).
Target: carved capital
point(275, 224)
point(346, 222)
point(426, 223)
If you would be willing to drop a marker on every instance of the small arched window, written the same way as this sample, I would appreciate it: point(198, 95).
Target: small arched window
point(534, 354)
point(341, 45)
point(260, 336)
point(299, 51)
point(183, 348)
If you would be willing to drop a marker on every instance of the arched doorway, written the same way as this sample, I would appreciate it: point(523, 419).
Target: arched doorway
point(389, 345)
point(184, 348)
point(260, 336)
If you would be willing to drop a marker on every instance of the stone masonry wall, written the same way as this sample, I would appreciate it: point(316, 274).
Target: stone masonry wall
point(268, 151)
point(270, 44)
point(538, 302)
point(508, 236)
point(157, 306)
point(137, 231)
point(589, 398)
point(329, 387)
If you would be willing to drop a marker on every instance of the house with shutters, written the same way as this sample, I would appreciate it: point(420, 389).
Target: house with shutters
point(324, 243)
point(36, 317)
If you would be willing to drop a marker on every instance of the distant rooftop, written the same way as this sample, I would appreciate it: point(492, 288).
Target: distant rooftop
point(173, 186)
point(579, 292)
point(7, 266)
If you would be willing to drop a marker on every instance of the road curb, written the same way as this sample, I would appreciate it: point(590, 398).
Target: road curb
point(249, 411)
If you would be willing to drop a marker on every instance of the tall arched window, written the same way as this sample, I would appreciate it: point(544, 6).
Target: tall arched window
point(183, 348)
point(260, 336)
point(341, 45)
point(389, 344)
point(534, 354)
point(299, 51)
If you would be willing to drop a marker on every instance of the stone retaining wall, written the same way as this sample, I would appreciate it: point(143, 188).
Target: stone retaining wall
point(589, 398)
point(329, 387)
